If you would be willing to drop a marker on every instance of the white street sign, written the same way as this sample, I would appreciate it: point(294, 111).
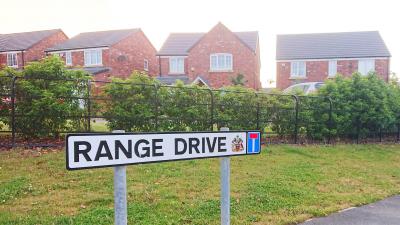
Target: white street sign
point(114, 149)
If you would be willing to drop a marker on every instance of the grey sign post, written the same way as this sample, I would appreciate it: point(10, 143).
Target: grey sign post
point(225, 188)
point(120, 201)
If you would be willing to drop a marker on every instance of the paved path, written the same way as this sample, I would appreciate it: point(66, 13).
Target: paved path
point(385, 212)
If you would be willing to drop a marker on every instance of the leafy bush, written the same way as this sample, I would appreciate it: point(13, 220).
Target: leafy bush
point(45, 100)
point(236, 108)
point(362, 104)
point(132, 103)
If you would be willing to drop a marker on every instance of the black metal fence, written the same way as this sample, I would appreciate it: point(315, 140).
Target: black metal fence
point(282, 118)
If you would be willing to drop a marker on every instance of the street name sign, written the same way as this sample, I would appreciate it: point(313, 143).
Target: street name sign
point(93, 150)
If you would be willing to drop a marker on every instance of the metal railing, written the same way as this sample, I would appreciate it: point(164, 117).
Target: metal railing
point(152, 107)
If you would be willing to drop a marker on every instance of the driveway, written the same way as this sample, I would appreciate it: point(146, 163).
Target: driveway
point(385, 212)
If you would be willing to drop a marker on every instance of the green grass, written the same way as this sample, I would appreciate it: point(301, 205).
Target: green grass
point(283, 185)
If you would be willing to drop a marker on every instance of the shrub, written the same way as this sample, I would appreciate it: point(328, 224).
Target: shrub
point(362, 104)
point(131, 105)
point(45, 102)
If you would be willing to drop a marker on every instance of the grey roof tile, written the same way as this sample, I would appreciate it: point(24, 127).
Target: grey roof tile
point(93, 70)
point(180, 43)
point(331, 45)
point(171, 79)
point(24, 40)
point(94, 39)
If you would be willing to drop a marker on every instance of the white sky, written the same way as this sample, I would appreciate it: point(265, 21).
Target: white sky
point(158, 18)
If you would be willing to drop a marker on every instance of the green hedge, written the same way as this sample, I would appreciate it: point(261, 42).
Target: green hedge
point(47, 103)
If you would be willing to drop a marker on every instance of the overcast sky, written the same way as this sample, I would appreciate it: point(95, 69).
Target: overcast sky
point(158, 18)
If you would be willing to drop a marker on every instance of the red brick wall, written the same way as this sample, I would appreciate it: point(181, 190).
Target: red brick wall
point(36, 52)
point(3, 60)
point(135, 49)
point(347, 67)
point(317, 71)
point(221, 40)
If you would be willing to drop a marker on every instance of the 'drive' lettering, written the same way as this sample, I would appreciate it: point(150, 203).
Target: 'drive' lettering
point(195, 145)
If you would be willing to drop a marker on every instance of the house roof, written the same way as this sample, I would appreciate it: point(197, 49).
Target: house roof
point(23, 41)
point(171, 79)
point(181, 43)
point(331, 45)
point(93, 70)
point(94, 39)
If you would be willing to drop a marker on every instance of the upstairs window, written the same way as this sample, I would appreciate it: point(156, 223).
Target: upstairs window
point(68, 58)
point(177, 65)
point(221, 62)
point(366, 65)
point(93, 57)
point(12, 60)
point(146, 65)
point(298, 69)
point(332, 68)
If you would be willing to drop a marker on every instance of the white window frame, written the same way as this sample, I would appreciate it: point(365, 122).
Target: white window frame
point(13, 60)
point(146, 65)
point(221, 62)
point(177, 65)
point(366, 66)
point(68, 58)
point(93, 57)
point(332, 68)
point(296, 69)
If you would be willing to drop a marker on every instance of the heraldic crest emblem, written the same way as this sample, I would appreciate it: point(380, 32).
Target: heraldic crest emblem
point(237, 144)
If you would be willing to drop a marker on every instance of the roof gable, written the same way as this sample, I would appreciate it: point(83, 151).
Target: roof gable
point(181, 43)
point(94, 39)
point(23, 41)
point(331, 45)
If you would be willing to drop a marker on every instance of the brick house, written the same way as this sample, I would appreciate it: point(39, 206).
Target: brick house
point(211, 58)
point(105, 53)
point(18, 49)
point(317, 57)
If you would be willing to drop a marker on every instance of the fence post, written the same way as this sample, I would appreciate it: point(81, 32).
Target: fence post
point(120, 201)
point(156, 106)
point(398, 132)
point(212, 109)
point(258, 111)
point(225, 188)
point(13, 128)
point(330, 120)
point(296, 118)
point(89, 104)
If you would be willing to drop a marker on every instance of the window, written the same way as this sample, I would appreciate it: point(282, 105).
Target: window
point(220, 62)
point(332, 69)
point(298, 69)
point(146, 65)
point(93, 57)
point(12, 60)
point(366, 65)
point(177, 65)
point(68, 58)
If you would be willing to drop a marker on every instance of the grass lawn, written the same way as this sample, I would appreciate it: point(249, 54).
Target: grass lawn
point(283, 185)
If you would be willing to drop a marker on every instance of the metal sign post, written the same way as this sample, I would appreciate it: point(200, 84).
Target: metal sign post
point(120, 201)
point(225, 188)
